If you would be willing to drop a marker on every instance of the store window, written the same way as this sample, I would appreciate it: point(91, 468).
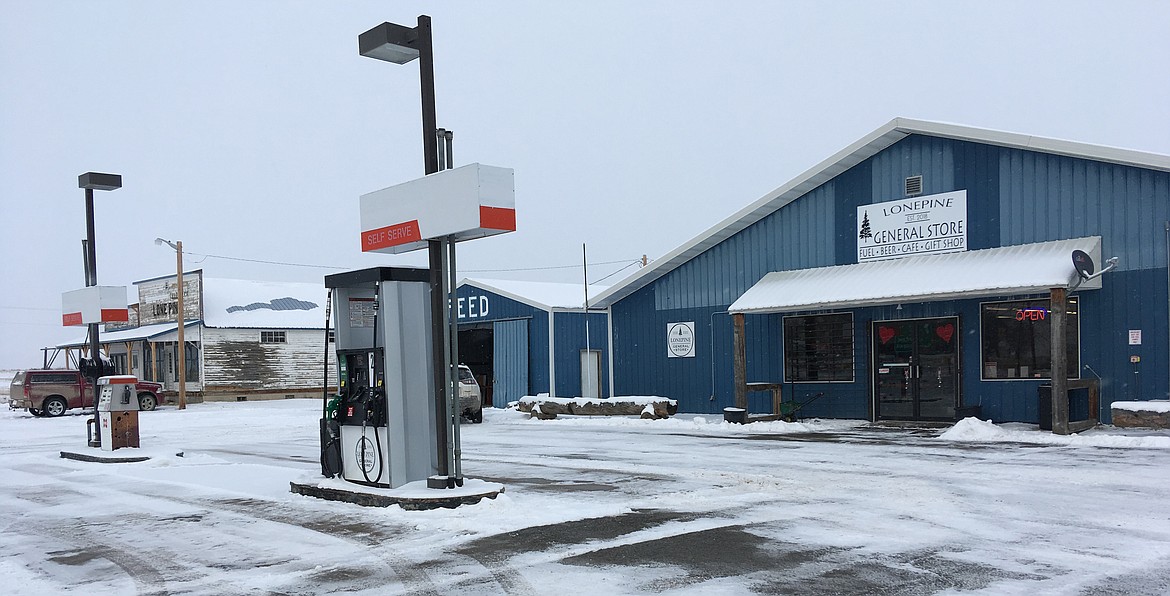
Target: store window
point(191, 355)
point(272, 337)
point(818, 348)
point(1017, 339)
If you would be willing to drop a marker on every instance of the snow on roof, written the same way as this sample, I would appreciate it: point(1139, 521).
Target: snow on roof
point(540, 294)
point(1022, 269)
point(263, 304)
point(866, 147)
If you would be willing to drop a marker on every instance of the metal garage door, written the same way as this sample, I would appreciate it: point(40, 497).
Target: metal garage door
point(509, 362)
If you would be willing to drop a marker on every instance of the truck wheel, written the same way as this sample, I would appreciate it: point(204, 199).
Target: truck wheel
point(147, 402)
point(477, 417)
point(55, 406)
point(36, 412)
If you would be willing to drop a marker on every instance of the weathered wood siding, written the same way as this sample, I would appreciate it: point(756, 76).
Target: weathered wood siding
point(234, 359)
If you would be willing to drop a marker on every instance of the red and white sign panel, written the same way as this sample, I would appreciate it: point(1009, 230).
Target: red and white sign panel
point(95, 304)
point(473, 201)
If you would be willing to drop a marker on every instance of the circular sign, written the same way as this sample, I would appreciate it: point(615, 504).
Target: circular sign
point(364, 453)
point(1083, 263)
point(680, 339)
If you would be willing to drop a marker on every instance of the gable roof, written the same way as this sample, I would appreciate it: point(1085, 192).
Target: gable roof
point(538, 294)
point(865, 148)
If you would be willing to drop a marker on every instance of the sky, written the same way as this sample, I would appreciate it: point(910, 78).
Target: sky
point(591, 504)
point(249, 130)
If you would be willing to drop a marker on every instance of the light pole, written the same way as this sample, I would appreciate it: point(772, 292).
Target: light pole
point(180, 318)
point(400, 45)
point(91, 181)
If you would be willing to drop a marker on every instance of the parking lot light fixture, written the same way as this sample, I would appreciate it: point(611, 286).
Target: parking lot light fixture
point(400, 44)
point(91, 181)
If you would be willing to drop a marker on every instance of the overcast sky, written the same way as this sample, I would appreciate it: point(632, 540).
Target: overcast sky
point(249, 129)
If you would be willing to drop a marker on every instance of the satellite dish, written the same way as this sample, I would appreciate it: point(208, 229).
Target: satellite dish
point(1083, 263)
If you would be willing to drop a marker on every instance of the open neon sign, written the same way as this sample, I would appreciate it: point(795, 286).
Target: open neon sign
point(1032, 313)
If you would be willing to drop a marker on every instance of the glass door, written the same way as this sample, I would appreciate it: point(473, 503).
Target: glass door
point(916, 369)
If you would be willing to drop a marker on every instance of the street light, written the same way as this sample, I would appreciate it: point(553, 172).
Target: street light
point(91, 181)
point(399, 44)
point(180, 318)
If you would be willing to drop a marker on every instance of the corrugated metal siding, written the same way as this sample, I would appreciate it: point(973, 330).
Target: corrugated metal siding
point(503, 308)
point(235, 358)
point(1014, 197)
point(797, 236)
point(570, 342)
point(510, 374)
point(1048, 197)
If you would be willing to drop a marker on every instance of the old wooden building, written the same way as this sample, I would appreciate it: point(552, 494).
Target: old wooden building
point(243, 339)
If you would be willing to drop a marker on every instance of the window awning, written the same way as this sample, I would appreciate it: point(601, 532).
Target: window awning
point(1023, 269)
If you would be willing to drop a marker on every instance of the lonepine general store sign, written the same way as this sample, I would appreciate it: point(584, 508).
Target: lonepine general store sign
point(931, 224)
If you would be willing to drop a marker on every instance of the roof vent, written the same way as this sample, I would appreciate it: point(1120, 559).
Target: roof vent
point(914, 185)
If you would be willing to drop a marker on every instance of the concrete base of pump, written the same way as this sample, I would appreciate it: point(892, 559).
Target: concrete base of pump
point(414, 496)
point(117, 456)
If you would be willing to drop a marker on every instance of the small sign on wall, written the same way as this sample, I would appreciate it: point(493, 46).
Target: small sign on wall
point(680, 340)
point(1135, 337)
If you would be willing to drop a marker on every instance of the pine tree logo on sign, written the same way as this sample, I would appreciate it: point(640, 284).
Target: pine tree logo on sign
point(680, 340)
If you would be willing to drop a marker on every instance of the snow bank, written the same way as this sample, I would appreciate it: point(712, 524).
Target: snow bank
point(1160, 406)
point(973, 430)
point(640, 400)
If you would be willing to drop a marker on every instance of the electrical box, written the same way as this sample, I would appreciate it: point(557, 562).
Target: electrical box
point(385, 414)
point(117, 410)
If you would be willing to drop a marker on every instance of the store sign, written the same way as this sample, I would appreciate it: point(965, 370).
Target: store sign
point(680, 340)
point(473, 307)
point(1031, 313)
point(932, 224)
point(158, 299)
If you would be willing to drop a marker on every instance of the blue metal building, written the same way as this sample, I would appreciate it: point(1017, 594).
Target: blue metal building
point(907, 277)
point(526, 338)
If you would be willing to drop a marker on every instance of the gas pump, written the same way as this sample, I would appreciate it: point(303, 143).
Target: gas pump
point(379, 430)
point(117, 411)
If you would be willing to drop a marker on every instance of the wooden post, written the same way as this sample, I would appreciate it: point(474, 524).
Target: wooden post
point(153, 360)
point(130, 358)
point(740, 361)
point(1058, 314)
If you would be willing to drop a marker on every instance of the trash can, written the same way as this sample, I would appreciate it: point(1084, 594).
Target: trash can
point(117, 410)
point(735, 415)
point(1045, 409)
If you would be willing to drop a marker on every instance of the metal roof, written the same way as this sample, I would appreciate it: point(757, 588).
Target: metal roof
point(538, 294)
point(1007, 270)
point(868, 146)
point(133, 334)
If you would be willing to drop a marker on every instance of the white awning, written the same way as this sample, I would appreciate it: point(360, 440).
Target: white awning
point(1022, 269)
point(135, 334)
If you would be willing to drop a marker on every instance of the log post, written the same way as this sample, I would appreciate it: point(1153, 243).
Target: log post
point(740, 361)
point(1058, 314)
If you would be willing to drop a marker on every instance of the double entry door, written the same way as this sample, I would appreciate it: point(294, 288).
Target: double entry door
point(916, 369)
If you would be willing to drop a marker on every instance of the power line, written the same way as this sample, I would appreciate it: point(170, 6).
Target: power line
point(287, 264)
point(635, 262)
point(263, 261)
point(551, 267)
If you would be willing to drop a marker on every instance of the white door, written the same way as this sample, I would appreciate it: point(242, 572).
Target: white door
point(590, 373)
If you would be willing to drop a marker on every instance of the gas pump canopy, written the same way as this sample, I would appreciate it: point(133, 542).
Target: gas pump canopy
point(464, 203)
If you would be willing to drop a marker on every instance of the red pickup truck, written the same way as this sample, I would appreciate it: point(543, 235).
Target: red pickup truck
point(51, 392)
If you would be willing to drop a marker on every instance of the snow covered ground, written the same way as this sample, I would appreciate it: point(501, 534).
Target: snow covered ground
point(688, 505)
